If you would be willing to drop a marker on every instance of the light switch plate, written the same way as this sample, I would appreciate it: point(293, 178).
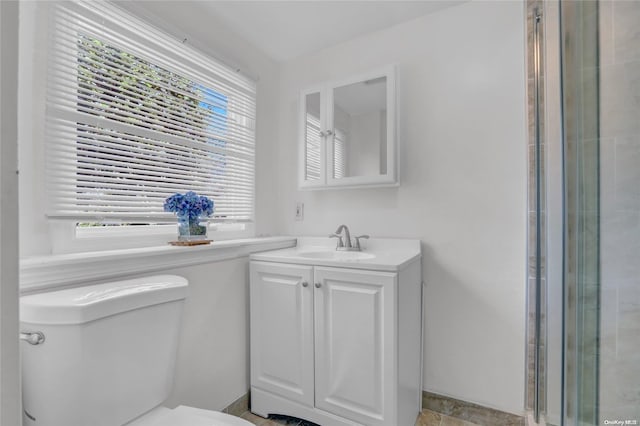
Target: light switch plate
point(299, 211)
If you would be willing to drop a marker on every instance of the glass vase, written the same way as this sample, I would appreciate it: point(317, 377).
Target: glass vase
point(192, 228)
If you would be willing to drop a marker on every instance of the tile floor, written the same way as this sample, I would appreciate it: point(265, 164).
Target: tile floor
point(427, 418)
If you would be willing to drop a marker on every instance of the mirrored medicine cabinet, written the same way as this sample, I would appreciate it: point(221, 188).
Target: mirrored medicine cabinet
point(348, 132)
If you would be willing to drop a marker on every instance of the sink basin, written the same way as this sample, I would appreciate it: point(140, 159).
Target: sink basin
point(380, 254)
point(336, 255)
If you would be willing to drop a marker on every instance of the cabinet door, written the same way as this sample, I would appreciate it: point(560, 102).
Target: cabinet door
point(361, 123)
point(355, 323)
point(281, 299)
point(312, 150)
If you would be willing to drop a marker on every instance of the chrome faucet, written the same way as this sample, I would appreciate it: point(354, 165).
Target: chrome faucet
point(344, 242)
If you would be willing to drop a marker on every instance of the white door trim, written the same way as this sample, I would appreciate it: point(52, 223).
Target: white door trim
point(9, 270)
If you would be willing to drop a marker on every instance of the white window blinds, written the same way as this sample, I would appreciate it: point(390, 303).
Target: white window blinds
point(134, 116)
point(339, 154)
point(313, 139)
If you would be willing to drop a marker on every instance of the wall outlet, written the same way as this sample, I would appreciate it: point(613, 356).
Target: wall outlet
point(299, 211)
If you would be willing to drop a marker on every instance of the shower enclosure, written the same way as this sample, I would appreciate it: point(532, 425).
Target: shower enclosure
point(584, 333)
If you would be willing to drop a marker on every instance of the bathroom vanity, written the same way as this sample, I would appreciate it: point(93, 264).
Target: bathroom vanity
point(336, 335)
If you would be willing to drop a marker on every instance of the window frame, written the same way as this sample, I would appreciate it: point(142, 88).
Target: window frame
point(66, 237)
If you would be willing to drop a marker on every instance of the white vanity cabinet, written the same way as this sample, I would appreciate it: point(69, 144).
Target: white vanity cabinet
point(336, 345)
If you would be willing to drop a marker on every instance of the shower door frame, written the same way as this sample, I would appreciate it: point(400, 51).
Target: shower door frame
point(563, 324)
point(554, 271)
point(545, 337)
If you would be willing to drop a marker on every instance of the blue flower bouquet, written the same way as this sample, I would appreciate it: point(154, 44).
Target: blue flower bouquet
point(191, 209)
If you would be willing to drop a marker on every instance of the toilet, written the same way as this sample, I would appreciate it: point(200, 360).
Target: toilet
point(108, 356)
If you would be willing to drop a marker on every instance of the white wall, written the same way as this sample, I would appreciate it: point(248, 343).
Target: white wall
point(34, 230)
point(463, 193)
point(212, 368)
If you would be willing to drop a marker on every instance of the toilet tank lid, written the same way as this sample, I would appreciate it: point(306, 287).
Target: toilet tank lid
point(83, 304)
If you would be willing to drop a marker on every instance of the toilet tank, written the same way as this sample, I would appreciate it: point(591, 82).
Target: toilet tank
point(108, 354)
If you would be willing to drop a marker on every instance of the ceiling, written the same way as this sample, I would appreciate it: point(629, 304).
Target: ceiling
point(287, 29)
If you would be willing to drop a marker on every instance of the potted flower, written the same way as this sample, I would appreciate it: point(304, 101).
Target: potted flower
point(191, 209)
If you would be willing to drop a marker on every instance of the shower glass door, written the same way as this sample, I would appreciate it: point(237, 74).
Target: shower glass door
point(619, 336)
point(600, 72)
point(579, 49)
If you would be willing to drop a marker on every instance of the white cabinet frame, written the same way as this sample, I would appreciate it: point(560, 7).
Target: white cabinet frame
point(326, 180)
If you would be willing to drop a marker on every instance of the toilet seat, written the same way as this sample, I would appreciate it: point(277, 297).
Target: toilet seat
point(187, 416)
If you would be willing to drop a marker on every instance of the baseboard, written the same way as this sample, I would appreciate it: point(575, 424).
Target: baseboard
point(239, 406)
point(469, 411)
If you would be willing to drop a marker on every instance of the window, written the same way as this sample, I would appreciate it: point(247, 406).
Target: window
point(134, 116)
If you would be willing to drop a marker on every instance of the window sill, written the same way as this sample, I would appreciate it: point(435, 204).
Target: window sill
point(45, 272)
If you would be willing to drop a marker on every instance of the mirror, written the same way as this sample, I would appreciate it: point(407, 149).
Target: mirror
point(347, 133)
point(360, 129)
point(312, 136)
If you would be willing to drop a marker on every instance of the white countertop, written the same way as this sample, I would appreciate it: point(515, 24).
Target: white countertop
point(385, 254)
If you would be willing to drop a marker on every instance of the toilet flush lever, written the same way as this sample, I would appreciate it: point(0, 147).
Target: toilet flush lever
point(33, 338)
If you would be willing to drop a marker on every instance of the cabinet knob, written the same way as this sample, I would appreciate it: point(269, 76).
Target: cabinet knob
point(318, 285)
point(305, 284)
